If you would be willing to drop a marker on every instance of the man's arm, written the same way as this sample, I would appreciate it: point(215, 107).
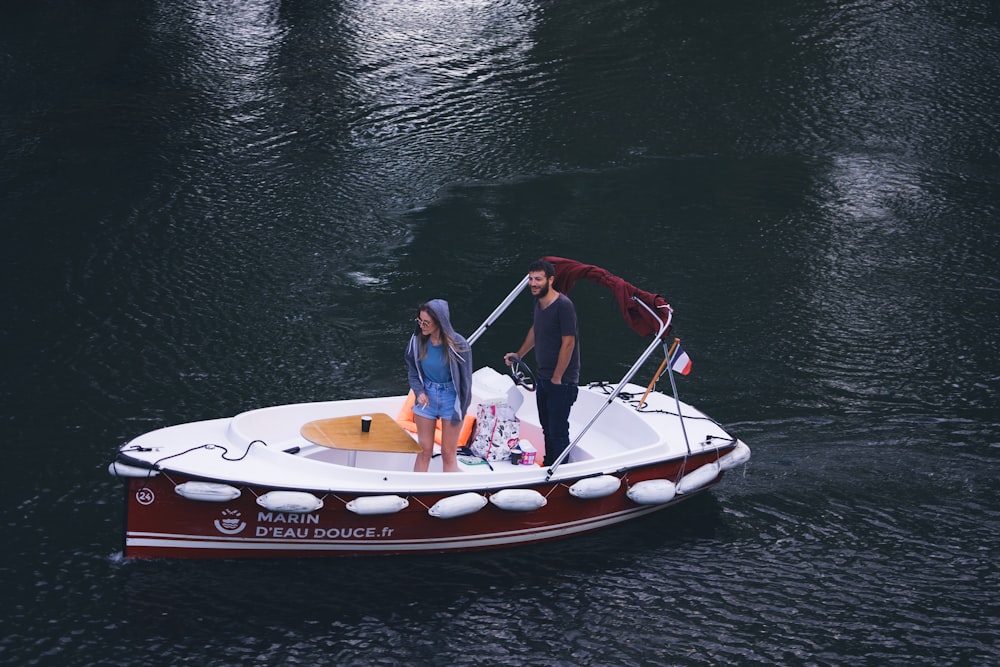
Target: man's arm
point(526, 347)
point(565, 354)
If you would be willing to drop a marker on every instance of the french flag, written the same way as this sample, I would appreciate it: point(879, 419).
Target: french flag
point(680, 362)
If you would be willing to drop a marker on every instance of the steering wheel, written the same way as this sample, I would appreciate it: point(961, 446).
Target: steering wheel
point(521, 373)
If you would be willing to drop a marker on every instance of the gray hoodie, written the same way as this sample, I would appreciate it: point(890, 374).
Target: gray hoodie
point(459, 360)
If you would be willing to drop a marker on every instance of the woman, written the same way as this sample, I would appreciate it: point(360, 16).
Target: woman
point(439, 364)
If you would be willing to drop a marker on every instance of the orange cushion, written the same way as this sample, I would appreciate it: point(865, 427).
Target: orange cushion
point(466, 432)
point(405, 416)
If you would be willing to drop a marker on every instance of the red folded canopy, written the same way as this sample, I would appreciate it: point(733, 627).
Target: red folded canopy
point(568, 271)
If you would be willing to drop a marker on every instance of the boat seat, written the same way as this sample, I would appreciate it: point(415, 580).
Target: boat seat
point(489, 386)
point(405, 419)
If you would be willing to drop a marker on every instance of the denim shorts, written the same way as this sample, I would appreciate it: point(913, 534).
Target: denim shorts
point(441, 401)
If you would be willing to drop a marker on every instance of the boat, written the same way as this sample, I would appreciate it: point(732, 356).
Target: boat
point(305, 480)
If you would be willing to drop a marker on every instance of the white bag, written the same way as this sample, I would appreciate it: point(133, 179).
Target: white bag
point(497, 431)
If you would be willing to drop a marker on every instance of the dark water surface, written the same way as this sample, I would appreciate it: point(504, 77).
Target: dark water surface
point(209, 206)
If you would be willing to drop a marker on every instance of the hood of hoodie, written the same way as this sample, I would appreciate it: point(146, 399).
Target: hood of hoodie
point(443, 315)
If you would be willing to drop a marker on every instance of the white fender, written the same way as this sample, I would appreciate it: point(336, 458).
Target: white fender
point(652, 492)
point(738, 456)
point(518, 500)
point(696, 479)
point(460, 505)
point(208, 491)
point(377, 504)
point(289, 501)
point(595, 487)
point(124, 470)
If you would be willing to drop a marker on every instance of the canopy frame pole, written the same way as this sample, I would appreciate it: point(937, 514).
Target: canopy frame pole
point(673, 387)
point(498, 311)
point(664, 327)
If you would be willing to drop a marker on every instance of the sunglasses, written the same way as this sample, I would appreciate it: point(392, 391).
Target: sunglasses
point(423, 323)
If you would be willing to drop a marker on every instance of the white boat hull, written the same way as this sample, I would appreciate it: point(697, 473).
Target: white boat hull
point(172, 512)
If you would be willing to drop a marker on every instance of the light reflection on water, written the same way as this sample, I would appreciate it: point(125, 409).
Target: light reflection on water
point(245, 210)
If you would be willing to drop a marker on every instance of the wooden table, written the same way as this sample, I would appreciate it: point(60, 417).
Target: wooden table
point(345, 433)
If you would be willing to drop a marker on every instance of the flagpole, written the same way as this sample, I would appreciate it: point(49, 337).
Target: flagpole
point(673, 387)
point(656, 376)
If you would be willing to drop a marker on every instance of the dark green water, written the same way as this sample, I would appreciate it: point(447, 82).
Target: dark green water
point(210, 206)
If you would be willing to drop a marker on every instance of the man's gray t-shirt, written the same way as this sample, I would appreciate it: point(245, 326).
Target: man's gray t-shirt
point(550, 325)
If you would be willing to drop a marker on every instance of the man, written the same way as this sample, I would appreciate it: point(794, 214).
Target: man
point(556, 341)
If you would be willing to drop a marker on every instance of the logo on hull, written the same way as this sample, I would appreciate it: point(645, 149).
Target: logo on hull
point(230, 523)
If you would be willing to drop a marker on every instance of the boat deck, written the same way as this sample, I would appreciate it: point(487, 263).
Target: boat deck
point(266, 445)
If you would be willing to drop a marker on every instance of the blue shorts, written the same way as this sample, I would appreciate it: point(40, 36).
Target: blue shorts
point(441, 401)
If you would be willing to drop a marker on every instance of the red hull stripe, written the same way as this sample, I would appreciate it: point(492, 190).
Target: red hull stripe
point(136, 541)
